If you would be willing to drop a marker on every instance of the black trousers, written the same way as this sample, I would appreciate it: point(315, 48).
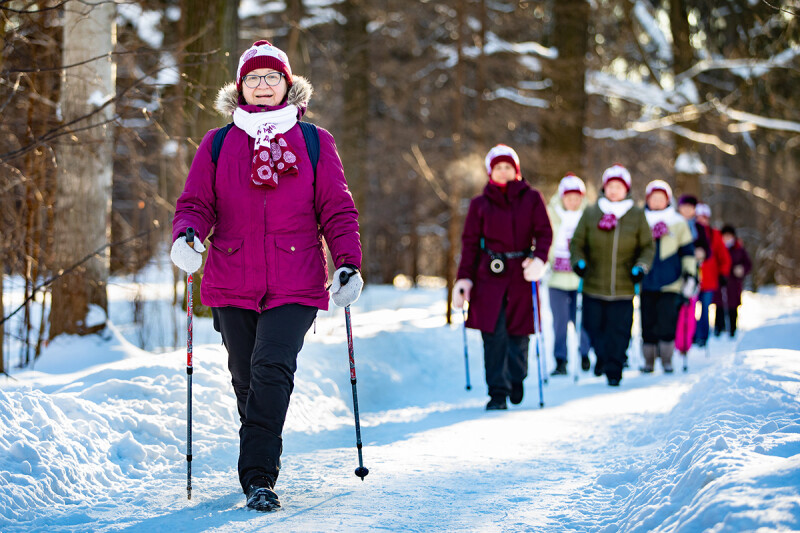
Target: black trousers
point(719, 320)
point(262, 358)
point(505, 357)
point(659, 316)
point(608, 323)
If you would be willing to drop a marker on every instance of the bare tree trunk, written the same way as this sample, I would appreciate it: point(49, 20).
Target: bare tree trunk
point(355, 129)
point(296, 48)
point(563, 142)
point(211, 27)
point(478, 125)
point(83, 214)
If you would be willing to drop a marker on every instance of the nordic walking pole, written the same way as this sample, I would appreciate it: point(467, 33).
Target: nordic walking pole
point(189, 370)
point(536, 327)
point(545, 373)
point(466, 353)
point(578, 325)
point(726, 319)
point(637, 339)
point(361, 471)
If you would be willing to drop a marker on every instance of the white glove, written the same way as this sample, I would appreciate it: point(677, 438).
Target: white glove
point(185, 257)
point(738, 271)
point(533, 269)
point(689, 286)
point(344, 295)
point(461, 292)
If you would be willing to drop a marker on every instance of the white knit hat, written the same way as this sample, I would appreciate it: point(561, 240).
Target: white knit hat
point(499, 153)
point(617, 172)
point(703, 210)
point(571, 183)
point(659, 185)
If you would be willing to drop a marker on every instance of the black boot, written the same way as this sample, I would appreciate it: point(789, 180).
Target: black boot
point(496, 403)
point(517, 392)
point(262, 499)
point(598, 368)
point(561, 368)
point(585, 363)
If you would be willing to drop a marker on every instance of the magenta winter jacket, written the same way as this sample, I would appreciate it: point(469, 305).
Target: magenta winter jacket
point(506, 222)
point(266, 247)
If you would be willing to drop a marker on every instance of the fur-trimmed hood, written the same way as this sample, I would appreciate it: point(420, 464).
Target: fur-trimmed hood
point(299, 94)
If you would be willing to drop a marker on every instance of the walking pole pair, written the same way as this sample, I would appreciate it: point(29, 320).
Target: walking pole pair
point(361, 471)
point(537, 326)
point(466, 354)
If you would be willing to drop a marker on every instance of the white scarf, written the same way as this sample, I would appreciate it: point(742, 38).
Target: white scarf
point(668, 216)
point(264, 125)
point(569, 221)
point(618, 209)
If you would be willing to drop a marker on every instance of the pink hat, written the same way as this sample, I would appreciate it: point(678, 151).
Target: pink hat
point(571, 183)
point(500, 153)
point(703, 210)
point(659, 185)
point(617, 172)
point(263, 55)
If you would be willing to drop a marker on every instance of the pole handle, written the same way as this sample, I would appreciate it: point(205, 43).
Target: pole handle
point(344, 277)
point(190, 233)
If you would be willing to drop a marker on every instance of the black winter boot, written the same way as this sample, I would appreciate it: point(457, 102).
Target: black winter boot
point(561, 368)
point(517, 392)
point(496, 403)
point(585, 363)
point(262, 498)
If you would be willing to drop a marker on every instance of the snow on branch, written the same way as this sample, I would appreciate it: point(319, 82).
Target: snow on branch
point(758, 192)
point(646, 94)
point(744, 68)
point(510, 93)
point(703, 138)
point(762, 122)
point(650, 26)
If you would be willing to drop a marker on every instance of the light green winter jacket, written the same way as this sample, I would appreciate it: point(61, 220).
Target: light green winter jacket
point(559, 279)
point(610, 255)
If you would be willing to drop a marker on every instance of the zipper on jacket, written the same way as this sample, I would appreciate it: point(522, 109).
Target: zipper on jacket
point(614, 261)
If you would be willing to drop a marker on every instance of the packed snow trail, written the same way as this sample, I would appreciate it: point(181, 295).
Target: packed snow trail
point(718, 449)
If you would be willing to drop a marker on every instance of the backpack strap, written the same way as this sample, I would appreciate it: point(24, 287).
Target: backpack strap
point(219, 138)
point(311, 136)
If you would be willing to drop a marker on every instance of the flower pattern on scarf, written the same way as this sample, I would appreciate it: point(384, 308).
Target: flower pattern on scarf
point(270, 164)
point(561, 264)
point(607, 222)
point(659, 230)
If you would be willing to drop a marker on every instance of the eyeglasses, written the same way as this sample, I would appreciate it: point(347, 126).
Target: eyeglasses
point(272, 79)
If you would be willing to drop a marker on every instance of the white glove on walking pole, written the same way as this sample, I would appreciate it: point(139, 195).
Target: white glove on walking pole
point(533, 269)
point(185, 257)
point(461, 292)
point(344, 295)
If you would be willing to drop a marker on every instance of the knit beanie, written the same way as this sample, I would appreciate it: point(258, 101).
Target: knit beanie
point(687, 199)
point(617, 172)
point(263, 54)
point(571, 183)
point(703, 210)
point(659, 185)
point(501, 153)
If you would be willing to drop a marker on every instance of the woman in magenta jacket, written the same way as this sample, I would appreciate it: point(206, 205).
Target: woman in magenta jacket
point(265, 210)
point(506, 225)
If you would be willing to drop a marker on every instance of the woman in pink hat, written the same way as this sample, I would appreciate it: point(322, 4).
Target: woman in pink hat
point(504, 247)
point(265, 208)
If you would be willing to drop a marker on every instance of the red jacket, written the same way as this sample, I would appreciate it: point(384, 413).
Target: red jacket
point(717, 264)
point(507, 222)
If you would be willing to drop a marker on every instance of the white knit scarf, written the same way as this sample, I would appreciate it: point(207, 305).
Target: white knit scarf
point(618, 209)
point(569, 221)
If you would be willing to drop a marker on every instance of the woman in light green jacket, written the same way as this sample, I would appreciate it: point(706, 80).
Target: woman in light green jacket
point(565, 211)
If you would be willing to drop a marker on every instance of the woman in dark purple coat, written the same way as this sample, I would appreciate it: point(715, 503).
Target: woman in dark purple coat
point(506, 226)
point(265, 209)
point(728, 297)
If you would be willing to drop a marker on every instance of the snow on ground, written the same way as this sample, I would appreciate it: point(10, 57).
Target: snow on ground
point(94, 437)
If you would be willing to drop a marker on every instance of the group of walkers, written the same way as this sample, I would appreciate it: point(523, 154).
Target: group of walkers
point(266, 190)
point(603, 254)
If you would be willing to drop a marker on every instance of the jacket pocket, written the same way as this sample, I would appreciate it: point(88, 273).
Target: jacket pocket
point(225, 263)
point(300, 264)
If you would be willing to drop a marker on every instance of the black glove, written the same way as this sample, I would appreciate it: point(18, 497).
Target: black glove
point(580, 268)
point(637, 274)
point(723, 281)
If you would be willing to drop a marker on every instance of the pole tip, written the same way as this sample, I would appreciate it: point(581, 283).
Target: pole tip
point(469, 387)
point(362, 472)
point(541, 405)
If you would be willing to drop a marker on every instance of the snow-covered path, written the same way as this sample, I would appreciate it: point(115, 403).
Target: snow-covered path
point(717, 449)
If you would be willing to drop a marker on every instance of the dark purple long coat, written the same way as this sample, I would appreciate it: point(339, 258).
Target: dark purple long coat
point(735, 285)
point(508, 222)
